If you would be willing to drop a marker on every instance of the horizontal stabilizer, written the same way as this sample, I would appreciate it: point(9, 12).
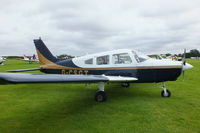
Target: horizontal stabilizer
point(24, 70)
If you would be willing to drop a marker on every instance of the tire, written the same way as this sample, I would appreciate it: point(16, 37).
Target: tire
point(126, 85)
point(168, 93)
point(100, 96)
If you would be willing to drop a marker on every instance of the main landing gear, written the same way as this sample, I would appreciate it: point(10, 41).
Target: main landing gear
point(100, 96)
point(165, 92)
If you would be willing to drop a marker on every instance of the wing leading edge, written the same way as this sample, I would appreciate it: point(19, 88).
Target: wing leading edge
point(24, 70)
point(6, 78)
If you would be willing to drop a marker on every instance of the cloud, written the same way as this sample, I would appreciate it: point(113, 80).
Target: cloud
point(77, 27)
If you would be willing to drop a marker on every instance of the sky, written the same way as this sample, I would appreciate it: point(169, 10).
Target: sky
point(79, 27)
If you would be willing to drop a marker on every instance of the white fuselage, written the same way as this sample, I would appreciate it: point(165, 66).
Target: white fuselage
point(135, 62)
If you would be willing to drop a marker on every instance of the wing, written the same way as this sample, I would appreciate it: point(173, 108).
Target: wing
point(24, 70)
point(120, 78)
point(6, 78)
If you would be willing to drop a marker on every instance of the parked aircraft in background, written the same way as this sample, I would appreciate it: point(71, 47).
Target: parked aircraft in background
point(124, 66)
point(2, 59)
point(26, 58)
point(159, 57)
point(30, 59)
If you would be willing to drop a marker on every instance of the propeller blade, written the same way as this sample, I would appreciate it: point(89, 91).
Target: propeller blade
point(184, 57)
point(183, 74)
point(184, 63)
point(184, 53)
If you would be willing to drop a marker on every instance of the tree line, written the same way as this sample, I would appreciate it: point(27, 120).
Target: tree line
point(192, 53)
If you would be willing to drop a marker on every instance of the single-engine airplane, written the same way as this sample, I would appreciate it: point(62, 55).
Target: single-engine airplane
point(125, 66)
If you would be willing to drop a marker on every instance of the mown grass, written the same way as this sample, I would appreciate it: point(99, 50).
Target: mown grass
point(70, 108)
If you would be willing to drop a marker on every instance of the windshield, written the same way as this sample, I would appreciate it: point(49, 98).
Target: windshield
point(140, 57)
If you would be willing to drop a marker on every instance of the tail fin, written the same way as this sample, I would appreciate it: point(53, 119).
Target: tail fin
point(25, 57)
point(44, 55)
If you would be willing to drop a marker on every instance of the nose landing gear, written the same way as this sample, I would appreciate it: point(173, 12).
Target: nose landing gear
point(125, 84)
point(165, 92)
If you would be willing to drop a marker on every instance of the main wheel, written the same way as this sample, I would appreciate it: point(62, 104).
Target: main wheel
point(167, 94)
point(125, 85)
point(100, 96)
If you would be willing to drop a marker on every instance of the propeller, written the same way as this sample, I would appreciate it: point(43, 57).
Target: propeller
point(184, 58)
point(184, 63)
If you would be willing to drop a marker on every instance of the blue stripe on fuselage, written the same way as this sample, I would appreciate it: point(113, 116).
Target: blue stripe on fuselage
point(143, 75)
point(67, 63)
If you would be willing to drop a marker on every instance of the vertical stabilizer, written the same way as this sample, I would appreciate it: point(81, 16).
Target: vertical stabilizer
point(44, 55)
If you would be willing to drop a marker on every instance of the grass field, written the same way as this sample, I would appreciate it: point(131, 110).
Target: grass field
point(70, 108)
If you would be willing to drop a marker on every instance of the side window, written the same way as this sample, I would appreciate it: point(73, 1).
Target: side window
point(89, 61)
point(103, 60)
point(122, 58)
point(140, 58)
point(136, 57)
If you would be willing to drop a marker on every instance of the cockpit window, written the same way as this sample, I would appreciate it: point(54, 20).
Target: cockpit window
point(140, 57)
point(89, 61)
point(122, 58)
point(103, 60)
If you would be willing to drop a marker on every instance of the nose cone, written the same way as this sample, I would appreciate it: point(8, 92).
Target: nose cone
point(187, 66)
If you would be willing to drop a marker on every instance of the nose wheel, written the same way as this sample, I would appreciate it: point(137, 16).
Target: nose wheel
point(165, 92)
point(126, 85)
point(100, 96)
